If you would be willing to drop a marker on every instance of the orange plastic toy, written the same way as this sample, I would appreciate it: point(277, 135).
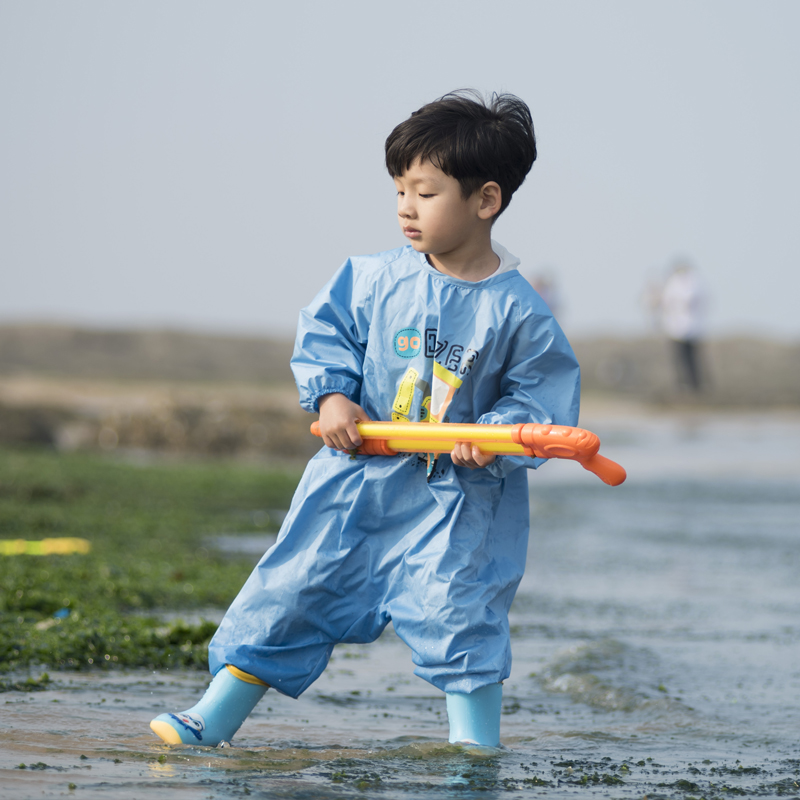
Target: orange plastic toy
point(531, 439)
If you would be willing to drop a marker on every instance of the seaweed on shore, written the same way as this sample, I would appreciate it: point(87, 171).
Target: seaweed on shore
point(150, 559)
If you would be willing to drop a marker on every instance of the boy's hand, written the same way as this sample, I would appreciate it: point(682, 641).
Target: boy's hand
point(337, 421)
point(466, 454)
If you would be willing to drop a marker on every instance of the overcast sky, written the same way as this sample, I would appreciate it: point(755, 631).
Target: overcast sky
point(209, 165)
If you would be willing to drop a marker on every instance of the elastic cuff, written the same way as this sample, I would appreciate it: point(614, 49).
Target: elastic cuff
point(313, 400)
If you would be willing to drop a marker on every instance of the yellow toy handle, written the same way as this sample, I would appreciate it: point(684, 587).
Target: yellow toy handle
point(531, 439)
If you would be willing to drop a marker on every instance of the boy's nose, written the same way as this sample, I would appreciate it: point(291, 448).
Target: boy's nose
point(405, 209)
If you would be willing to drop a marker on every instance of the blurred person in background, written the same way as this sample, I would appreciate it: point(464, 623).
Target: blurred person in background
point(546, 286)
point(683, 305)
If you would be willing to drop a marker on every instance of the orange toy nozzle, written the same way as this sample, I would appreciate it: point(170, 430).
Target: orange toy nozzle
point(576, 444)
point(607, 470)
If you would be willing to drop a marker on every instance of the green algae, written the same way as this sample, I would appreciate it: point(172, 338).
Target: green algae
point(30, 684)
point(148, 527)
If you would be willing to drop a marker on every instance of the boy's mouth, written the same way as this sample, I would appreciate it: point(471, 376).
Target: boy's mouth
point(411, 233)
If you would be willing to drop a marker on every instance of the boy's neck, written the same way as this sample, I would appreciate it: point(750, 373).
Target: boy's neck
point(472, 261)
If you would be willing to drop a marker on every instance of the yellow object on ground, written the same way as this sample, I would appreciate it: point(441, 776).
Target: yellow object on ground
point(63, 546)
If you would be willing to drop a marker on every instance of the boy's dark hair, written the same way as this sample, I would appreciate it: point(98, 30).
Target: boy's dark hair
point(469, 140)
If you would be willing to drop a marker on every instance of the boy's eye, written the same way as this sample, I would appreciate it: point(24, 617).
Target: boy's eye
point(427, 195)
point(401, 194)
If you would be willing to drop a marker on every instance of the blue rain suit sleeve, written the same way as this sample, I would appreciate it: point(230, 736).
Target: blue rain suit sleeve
point(332, 339)
point(541, 384)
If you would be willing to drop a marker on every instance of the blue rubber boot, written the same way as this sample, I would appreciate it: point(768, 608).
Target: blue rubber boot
point(230, 697)
point(475, 718)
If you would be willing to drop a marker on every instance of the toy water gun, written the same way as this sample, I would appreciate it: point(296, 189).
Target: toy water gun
point(530, 439)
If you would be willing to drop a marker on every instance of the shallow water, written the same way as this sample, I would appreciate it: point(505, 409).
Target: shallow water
point(656, 652)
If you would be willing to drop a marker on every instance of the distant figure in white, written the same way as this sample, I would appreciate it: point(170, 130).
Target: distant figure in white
point(683, 305)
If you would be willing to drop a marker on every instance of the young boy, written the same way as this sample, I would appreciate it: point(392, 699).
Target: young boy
point(444, 329)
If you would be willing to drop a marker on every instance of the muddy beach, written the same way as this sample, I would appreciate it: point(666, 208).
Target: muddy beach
point(656, 652)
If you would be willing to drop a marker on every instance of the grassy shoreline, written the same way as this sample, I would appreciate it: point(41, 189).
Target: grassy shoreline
point(149, 527)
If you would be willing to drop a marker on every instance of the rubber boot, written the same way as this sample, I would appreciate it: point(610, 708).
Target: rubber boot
point(230, 697)
point(475, 718)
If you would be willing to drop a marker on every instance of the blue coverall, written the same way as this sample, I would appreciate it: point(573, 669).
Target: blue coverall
point(437, 549)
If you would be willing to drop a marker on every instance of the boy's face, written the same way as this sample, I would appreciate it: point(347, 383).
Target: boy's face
point(432, 212)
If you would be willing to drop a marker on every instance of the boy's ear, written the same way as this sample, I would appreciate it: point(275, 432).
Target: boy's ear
point(491, 197)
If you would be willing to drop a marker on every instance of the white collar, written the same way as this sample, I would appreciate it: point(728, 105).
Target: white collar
point(507, 260)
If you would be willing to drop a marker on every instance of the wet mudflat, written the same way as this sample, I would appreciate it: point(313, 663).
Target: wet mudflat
point(656, 652)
